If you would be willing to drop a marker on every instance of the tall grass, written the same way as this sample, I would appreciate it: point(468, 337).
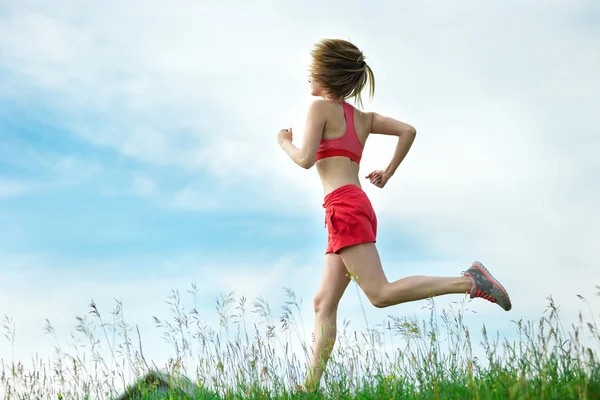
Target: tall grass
point(433, 358)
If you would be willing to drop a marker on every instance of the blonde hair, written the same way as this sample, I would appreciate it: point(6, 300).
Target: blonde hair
point(340, 68)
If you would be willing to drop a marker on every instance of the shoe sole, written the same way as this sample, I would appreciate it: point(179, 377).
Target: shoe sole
point(494, 281)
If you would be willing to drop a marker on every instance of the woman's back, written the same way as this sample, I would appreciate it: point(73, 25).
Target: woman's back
point(338, 171)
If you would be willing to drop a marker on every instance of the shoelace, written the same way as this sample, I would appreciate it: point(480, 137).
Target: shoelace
point(482, 294)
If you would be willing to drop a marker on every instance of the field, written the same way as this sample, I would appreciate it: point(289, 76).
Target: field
point(433, 358)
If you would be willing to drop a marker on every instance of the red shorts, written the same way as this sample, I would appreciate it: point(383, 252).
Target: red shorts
point(349, 218)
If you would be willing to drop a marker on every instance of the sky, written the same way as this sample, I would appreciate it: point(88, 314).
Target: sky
point(138, 154)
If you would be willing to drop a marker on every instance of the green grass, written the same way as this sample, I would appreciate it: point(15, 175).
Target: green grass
point(434, 358)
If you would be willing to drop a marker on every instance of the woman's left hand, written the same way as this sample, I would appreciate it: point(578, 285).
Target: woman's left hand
point(378, 178)
point(284, 135)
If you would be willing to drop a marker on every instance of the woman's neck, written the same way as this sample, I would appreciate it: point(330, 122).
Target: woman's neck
point(333, 99)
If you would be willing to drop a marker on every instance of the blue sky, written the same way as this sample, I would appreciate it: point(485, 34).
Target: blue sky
point(106, 215)
point(138, 154)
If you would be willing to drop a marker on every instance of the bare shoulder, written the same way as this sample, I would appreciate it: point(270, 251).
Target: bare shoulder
point(319, 106)
point(325, 110)
point(385, 125)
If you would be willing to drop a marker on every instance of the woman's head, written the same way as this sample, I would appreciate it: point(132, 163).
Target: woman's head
point(339, 71)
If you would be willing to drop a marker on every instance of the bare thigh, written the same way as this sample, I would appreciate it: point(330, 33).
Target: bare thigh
point(364, 265)
point(334, 282)
point(363, 262)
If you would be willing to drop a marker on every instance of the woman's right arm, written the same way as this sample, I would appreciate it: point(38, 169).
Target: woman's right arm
point(406, 135)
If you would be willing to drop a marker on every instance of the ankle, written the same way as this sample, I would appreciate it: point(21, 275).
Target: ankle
point(469, 283)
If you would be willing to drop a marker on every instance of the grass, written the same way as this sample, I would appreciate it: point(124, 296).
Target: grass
point(434, 358)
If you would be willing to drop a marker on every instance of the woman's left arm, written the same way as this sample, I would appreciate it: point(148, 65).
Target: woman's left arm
point(315, 123)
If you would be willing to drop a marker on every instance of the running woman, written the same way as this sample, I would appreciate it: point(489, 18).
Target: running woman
point(335, 135)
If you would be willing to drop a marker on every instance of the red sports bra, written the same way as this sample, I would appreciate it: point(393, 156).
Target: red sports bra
point(348, 145)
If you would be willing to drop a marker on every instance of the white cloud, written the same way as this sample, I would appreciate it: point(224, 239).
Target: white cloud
point(143, 186)
point(162, 79)
point(487, 106)
point(10, 188)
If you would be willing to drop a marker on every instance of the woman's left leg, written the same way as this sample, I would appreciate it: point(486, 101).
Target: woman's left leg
point(334, 282)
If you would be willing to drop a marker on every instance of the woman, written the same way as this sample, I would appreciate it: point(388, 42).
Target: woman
point(334, 139)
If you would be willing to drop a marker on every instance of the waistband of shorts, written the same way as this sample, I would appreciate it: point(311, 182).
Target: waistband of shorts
point(341, 191)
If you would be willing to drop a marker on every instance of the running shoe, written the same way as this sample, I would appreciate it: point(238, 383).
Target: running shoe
point(487, 287)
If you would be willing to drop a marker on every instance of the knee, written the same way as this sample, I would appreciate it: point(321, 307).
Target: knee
point(379, 302)
point(318, 303)
point(322, 304)
point(379, 298)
